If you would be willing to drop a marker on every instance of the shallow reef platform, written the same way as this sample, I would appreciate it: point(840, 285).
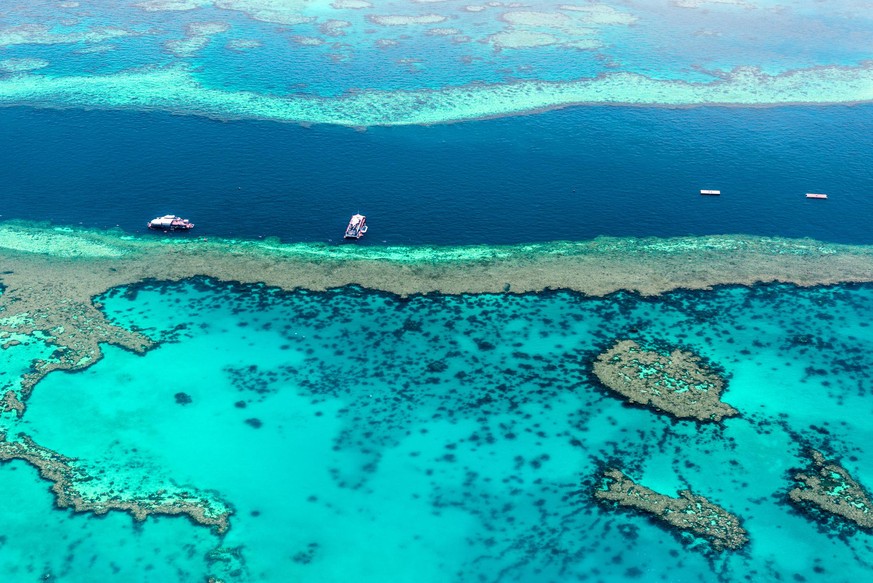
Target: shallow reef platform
point(487, 411)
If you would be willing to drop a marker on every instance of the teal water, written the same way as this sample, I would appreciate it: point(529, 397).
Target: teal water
point(392, 62)
point(360, 435)
point(102, 36)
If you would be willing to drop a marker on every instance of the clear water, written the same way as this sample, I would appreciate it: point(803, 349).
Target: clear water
point(363, 436)
point(447, 438)
point(562, 175)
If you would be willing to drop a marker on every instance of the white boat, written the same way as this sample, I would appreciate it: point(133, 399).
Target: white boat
point(357, 227)
point(170, 223)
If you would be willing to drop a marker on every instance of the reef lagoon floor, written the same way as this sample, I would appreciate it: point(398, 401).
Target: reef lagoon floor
point(254, 411)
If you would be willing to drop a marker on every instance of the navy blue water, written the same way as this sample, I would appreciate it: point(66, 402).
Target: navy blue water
point(571, 174)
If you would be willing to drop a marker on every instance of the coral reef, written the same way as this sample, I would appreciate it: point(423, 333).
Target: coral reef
point(11, 402)
point(177, 89)
point(51, 275)
point(688, 512)
point(829, 488)
point(65, 477)
point(675, 382)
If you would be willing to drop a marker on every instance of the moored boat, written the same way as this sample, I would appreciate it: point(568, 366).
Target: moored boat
point(170, 223)
point(357, 227)
point(710, 192)
point(815, 195)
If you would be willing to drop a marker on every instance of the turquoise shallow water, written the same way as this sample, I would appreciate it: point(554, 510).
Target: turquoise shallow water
point(393, 62)
point(444, 438)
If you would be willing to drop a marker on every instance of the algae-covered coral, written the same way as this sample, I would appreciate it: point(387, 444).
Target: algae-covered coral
point(688, 512)
point(674, 381)
point(67, 480)
point(828, 487)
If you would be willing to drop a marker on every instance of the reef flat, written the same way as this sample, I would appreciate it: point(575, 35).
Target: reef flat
point(471, 414)
point(67, 485)
point(675, 382)
point(688, 512)
point(176, 90)
point(827, 486)
point(51, 275)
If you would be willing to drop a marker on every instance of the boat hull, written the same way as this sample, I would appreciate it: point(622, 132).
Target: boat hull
point(357, 227)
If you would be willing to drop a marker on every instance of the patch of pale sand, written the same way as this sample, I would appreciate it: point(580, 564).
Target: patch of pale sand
point(404, 20)
point(68, 5)
point(242, 44)
point(21, 65)
point(443, 32)
point(521, 39)
point(334, 27)
point(703, 3)
point(536, 19)
point(186, 47)
point(530, 29)
point(95, 49)
point(350, 4)
point(579, 31)
point(39, 34)
point(288, 12)
point(600, 14)
point(198, 36)
point(475, 8)
point(172, 5)
point(591, 44)
point(206, 28)
point(308, 41)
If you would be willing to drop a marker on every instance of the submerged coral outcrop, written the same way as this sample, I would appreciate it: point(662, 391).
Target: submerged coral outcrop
point(687, 513)
point(67, 478)
point(828, 487)
point(675, 381)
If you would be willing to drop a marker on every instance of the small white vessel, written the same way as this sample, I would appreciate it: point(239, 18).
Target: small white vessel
point(357, 227)
point(170, 223)
point(815, 195)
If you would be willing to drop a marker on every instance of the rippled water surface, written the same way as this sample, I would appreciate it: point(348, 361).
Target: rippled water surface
point(573, 174)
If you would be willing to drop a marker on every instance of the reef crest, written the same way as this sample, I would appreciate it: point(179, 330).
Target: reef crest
point(52, 274)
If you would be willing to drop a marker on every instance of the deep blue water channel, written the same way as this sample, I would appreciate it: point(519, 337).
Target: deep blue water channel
point(569, 174)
